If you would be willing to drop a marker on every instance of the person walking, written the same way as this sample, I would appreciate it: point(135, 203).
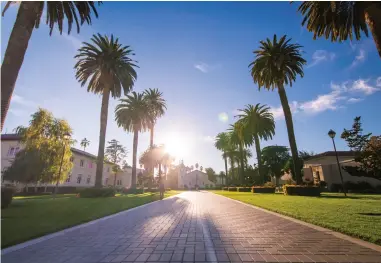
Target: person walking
point(161, 189)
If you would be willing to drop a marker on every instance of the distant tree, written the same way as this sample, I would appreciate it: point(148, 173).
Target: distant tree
point(289, 166)
point(84, 143)
point(212, 176)
point(274, 159)
point(201, 168)
point(196, 165)
point(221, 175)
point(222, 143)
point(116, 153)
point(355, 139)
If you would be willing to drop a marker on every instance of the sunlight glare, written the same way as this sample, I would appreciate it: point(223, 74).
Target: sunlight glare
point(176, 145)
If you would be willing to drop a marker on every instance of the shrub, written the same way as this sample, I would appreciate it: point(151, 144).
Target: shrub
point(96, 192)
point(263, 190)
point(168, 189)
point(225, 188)
point(269, 184)
point(301, 190)
point(335, 188)
point(133, 191)
point(359, 187)
point(232, 189)
point(322, 184)
point(244, 189)
point(6, 196)
point(31, 193)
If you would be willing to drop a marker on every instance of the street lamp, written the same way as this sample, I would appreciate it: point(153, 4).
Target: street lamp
point(332, 134)
point(66, 137)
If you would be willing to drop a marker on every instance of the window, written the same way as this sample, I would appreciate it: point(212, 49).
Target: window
point(119, 182)
point(90, 164)
point(106, 181)
point(79, 178)
point(11, 151)
point(68, 178)
point(81, 163)
point(71, 159)
point(88, 179)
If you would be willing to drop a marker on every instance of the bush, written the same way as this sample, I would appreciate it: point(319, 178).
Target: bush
point(225, 188)
point(269, 184)
point(359, 187)
point(322, 184)
point(168, 189)
point(96, 192)
point(232, 189)
point(244, 189)
point(133, 191)
point(301, 190)
point(335, 188)
point(6, 196)
point(152, 190)
point(263, 190)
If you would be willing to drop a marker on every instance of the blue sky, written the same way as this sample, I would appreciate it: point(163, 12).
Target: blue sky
point(197, 54)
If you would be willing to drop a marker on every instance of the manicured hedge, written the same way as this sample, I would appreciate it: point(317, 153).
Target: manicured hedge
point(263, 190)
point(225, 188)
point(133, 191)
point(301, 190)
point(96, 192)
point(31, 193)
point(232, 189)
point(6, 196)
point(244, 189)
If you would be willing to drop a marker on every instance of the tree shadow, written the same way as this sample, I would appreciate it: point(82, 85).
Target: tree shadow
point(370, 214)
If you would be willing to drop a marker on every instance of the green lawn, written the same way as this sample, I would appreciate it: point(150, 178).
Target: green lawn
point(358, 215)
point(31, 217)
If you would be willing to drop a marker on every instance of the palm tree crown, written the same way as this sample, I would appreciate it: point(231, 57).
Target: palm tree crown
point(84, 143)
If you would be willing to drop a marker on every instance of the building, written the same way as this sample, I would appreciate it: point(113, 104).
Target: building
point(323, 167)
point(192, 179)
point(82, 173)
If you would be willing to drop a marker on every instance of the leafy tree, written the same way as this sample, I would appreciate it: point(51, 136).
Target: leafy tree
point(46, 148)
point(258, 124)
point(274, 159)
point(339, 20)
point(276, 64)
point(28, 17)
point(212, 176)
point(132, 115)
point(115, 153)
point(289, 166)
point(222, 143)
point(108, 69)
point(84, 143)
point(355, 139)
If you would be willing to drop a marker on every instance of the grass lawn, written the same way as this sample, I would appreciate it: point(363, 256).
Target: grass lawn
point(358, 215)
point(30, 217)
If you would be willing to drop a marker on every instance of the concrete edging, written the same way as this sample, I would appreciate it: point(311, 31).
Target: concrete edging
point(66, 230)
point(318, 228)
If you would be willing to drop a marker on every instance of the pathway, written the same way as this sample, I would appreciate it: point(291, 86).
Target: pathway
point(194, 227)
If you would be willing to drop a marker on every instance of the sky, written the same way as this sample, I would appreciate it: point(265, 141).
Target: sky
point(197, 54)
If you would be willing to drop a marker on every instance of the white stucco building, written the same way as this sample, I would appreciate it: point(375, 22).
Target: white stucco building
point(191, 179)
point(82, 173)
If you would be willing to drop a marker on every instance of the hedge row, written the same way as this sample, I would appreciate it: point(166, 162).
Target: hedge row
point(301, 190)
point(96, 192)
point(263, 190)
point(6, 196)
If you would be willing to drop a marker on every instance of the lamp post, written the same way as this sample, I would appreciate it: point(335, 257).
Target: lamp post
point(66, 137)
point(332, 134)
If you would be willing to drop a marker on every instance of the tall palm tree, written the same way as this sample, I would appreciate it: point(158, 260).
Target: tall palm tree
point(84, 143)
point(339, 20)
point(276, 64)
point(157, 107)
point(107, 67)
point(28, 17)
point(222, 144)
point(259, 123)
point(132, 115)
point(247, 155)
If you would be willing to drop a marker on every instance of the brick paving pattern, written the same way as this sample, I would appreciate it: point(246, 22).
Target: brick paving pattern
point(194, 227)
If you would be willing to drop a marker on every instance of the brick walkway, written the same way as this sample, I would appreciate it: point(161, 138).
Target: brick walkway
point(194, 227)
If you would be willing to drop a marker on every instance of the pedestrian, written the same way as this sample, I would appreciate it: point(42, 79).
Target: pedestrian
point(161, 189)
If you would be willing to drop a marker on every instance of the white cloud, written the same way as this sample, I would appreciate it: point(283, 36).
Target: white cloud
point(354, 100)
point(75, 42)
point(22, 101)
point(205, 68)
point(378, 82)
point(359, 58)
point(278, 111)
point(19, 112)
point(362, 86)
point(319, 56)
point(209, 138)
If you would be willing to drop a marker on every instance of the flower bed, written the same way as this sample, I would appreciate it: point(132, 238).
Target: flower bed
point(263, 190)
point(301, 190)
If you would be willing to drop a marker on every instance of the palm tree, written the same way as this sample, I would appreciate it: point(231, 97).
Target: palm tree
point(132, 114)
point(340, 20)
point(259, 123)
point(196, 165)
point(84, 143)
point(222, 144)
point(115, 153)
point(277, 63)
point(157, 107)
point(107, 67)
point(28, 17)
point(247, 155)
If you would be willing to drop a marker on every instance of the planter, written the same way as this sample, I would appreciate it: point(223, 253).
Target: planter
point(301, 190)
point(263, 190)
point(244, 189)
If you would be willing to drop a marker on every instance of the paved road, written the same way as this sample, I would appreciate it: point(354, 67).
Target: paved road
point(194, 227)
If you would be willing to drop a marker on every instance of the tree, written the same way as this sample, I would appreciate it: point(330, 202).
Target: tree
point(45, 149)
point(355, 139)
point(157, 107)
point(107, 67)
point(132, 115)
point(196, 165)
point(212, 176)
point(115, 153)
point(222, 143)
point(84, 143)
point(289, 166)
point(259, 124)
point(339, 20)
point(28, 17)
point(274, 159)
point(276, 64)
point(201, 168)
point(221, 175)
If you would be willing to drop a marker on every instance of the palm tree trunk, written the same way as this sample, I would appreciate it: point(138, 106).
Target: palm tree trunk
point(232, 168)
point(15, 52)
point(102, 138)
point(373, 19)
point(226, 168)
point(134, 153)
point(259, 160)
point(290, 131)
point(242, 163)
point(151, 135)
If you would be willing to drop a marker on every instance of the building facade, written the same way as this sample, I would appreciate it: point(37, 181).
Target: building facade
point(82, 173)
point(190, 180)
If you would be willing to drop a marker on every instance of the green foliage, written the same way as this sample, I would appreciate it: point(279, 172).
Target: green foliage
point(156, 104)
point(212, 176)
point(45, 145)
point(356, 141)
point(6, 196)
point(289, 166)
point(115, 153)
point(274, 159)
point(263, 190)
point(244, 189)
point(84, 143)
point(360, 187)
point(134, 191)
point(96, 192)
point(232, 189)
point(302, 190)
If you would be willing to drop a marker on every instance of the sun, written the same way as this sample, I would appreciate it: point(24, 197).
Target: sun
point(176, 145)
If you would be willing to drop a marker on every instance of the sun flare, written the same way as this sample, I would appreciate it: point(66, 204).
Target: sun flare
point(176, 145)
